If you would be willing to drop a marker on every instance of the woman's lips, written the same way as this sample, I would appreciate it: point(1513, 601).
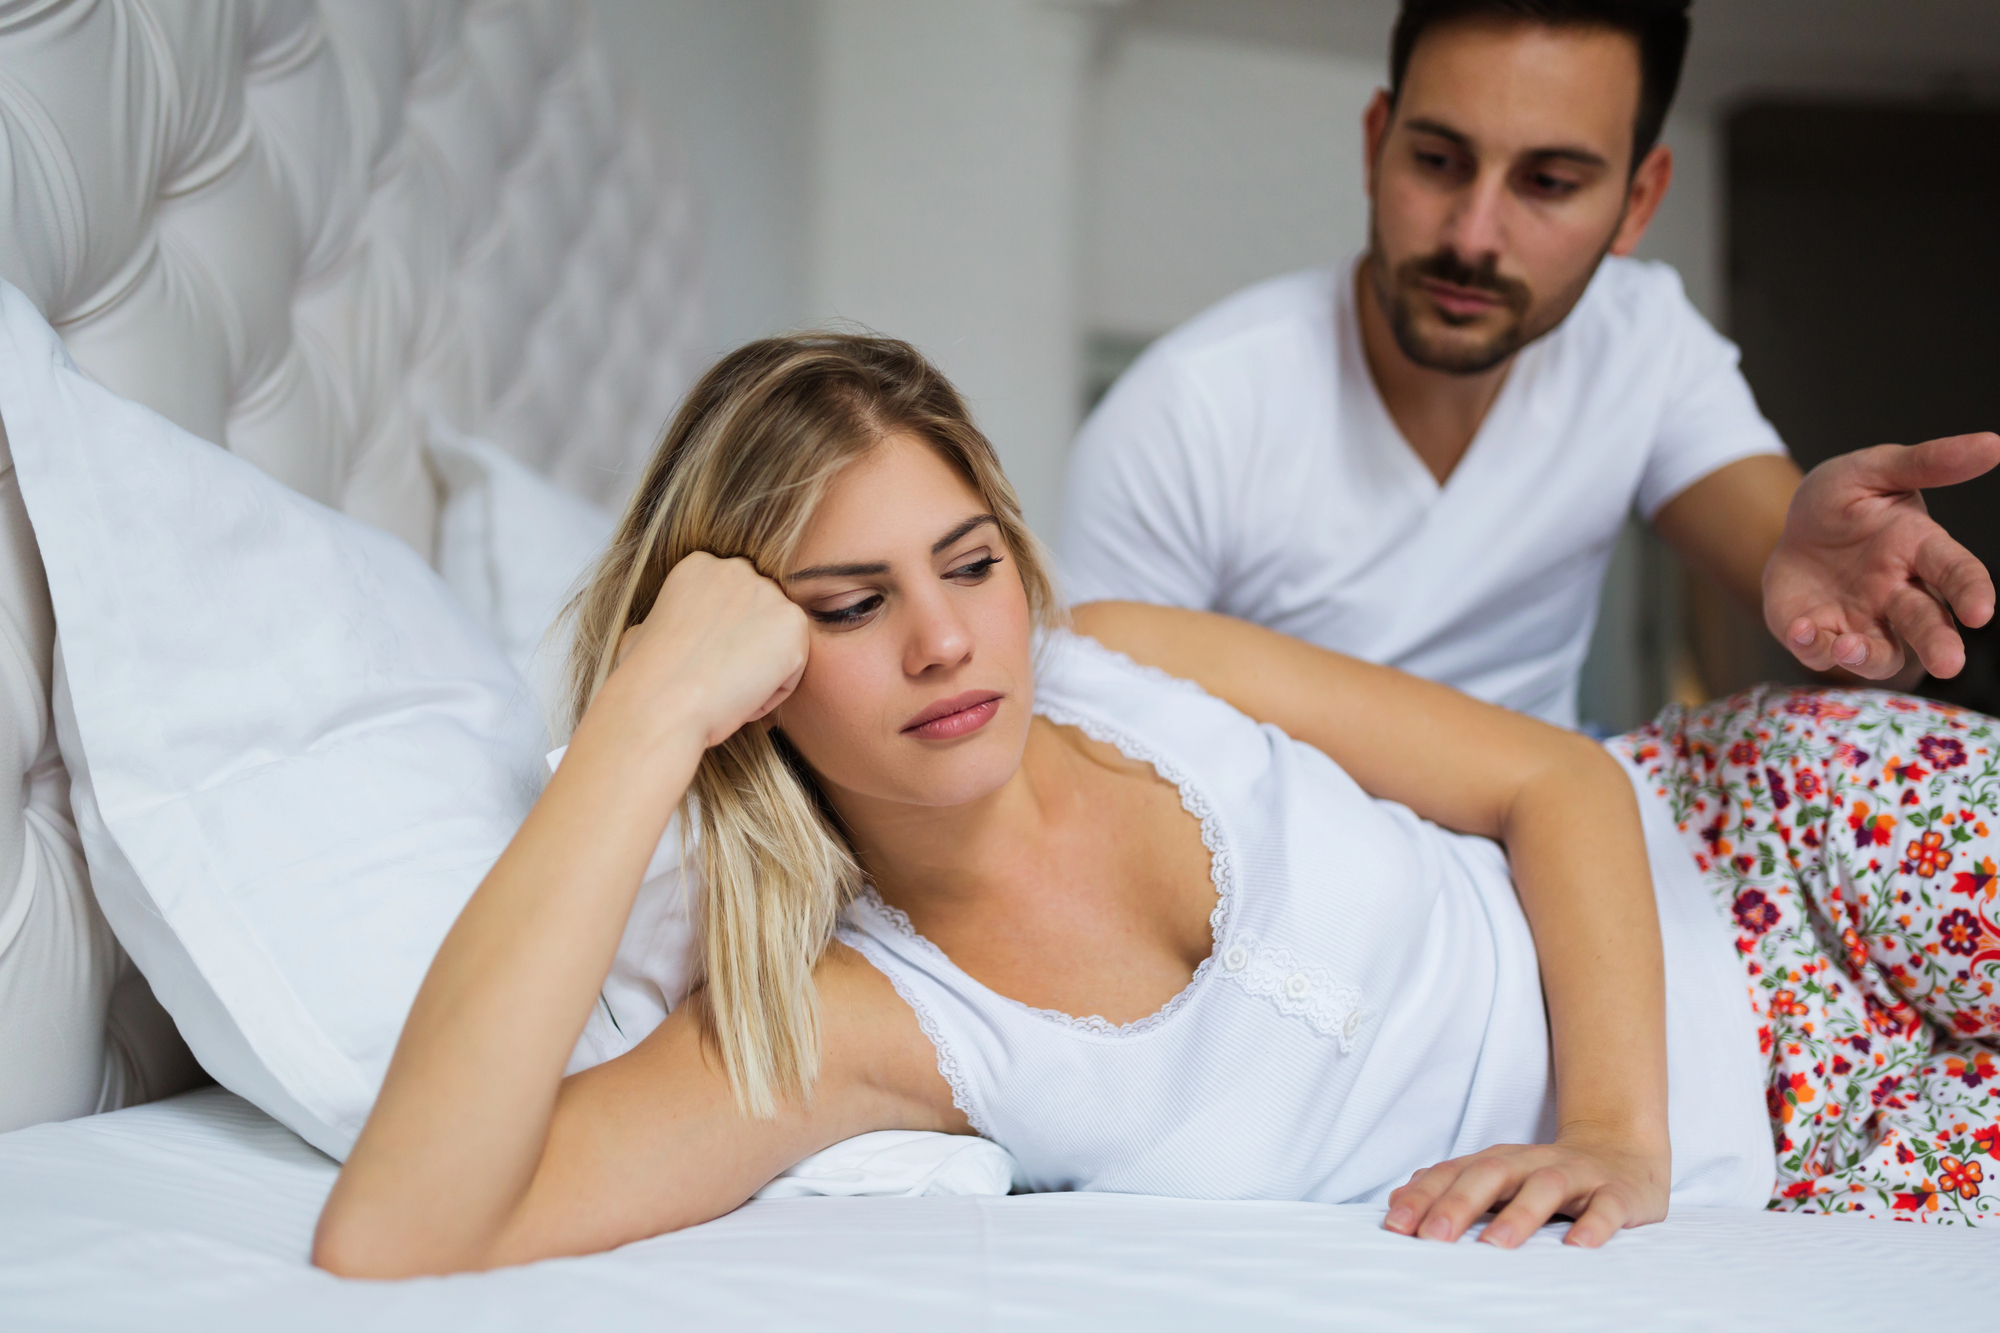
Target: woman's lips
point(960, 715)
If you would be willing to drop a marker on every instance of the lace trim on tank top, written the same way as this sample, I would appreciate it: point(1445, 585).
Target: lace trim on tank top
point(947, 1063)
point(1312, 994)
point(1090, 647)
point(1221, 872)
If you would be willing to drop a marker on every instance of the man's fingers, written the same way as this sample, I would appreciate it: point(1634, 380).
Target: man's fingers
point(1956, 575)
point(1916, 467)
point(1927, 628)
point(1604, 1218)
point(1540, 1195)
point(1872, 655)
point(1811, 637)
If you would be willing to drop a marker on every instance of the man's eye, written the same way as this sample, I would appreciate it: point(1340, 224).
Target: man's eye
point(1557, 186)
point(848, 615)
point(975, 569)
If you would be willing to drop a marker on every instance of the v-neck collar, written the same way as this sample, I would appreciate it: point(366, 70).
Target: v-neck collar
point(1416, 473)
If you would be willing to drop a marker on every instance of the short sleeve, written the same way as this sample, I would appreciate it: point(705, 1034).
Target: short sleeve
point(1710, 417)
point(1138, 510)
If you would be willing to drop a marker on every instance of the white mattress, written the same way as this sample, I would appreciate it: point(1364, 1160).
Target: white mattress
point(196, 1214)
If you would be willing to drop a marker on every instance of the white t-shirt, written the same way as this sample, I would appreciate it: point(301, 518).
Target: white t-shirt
point(1246, 465)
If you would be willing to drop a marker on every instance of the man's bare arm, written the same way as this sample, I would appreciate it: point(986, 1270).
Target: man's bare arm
point(1727, 524)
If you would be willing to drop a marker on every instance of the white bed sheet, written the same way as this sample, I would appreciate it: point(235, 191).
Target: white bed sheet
point(196, 1214)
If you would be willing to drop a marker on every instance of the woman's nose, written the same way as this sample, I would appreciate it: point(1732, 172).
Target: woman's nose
point(938, 636)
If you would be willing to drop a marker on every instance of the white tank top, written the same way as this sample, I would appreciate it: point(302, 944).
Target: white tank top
point(1371, 1004)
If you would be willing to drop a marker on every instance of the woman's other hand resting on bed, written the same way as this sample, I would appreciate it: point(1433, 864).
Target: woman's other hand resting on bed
point(1565, 811)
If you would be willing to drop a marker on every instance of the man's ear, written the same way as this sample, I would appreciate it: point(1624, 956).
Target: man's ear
point(1642, 199)
point(1374, 129)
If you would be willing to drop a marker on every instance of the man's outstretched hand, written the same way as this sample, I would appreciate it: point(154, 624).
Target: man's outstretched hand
point(1862, 568)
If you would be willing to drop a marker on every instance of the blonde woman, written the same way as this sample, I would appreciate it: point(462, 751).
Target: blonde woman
point(1180, 907)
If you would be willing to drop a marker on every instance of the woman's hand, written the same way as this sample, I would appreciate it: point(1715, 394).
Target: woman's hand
point(1602, 1180)
point(722, 641)
point(457, 1148)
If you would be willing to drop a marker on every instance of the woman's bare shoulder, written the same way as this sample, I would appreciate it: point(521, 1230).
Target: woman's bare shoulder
point(872, 1041)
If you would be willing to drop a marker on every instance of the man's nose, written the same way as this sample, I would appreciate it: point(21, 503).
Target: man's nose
point(1476, 228)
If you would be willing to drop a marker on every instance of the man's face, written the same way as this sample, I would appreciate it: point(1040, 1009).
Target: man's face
point(1499, 181)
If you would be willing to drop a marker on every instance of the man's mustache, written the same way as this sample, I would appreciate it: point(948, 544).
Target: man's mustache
point(1446, 266)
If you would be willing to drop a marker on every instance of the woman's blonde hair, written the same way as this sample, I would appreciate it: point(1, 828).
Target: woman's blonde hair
point(739, 472)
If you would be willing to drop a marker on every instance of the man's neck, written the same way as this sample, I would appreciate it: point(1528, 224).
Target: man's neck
point(1439, 414)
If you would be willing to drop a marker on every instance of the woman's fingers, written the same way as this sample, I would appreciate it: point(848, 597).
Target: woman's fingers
point(1605, 1190)
point(1539, 1198)
point(1484, 1182)
point(779, 695)
point(1604, 1218)
point(1409, 1204)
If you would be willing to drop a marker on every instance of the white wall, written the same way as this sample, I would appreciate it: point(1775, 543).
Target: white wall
point(1215, 164)
point(946, 182)
point(728, 87)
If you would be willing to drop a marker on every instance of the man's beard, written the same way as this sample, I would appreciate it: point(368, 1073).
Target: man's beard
point(1400, 294)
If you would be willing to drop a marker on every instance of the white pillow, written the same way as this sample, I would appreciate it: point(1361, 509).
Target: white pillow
point(514, 547)
point(901, 1162)
point(294, 754)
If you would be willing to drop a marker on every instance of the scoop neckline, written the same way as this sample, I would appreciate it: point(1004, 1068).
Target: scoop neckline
point(1194, 800)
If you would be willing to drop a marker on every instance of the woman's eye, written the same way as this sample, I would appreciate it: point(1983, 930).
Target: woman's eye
point(974, 570)
point(849, 614)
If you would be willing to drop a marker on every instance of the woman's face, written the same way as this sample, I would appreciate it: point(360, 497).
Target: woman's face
point(919, 685)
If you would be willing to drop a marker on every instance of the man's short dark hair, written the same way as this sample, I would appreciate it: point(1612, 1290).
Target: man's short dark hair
point(1659, 26)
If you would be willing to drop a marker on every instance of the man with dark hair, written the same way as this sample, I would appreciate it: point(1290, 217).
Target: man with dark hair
point(1425, 459)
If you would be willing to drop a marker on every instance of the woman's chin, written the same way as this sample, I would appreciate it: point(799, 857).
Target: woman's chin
point(961, 780)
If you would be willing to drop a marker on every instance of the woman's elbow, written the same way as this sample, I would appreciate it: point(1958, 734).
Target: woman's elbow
point(347, 1245)
point(345, 1251)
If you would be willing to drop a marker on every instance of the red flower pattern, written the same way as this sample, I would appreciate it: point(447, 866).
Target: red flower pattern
point(1928, 854)
point(1874, 975)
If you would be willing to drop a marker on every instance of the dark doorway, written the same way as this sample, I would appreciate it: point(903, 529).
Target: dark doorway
point(1864, 289)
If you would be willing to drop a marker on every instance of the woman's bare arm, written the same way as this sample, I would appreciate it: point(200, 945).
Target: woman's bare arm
point(1565, 811)
point(478, 1152)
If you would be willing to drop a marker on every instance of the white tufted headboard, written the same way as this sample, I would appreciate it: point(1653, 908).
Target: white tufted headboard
point(300, 229)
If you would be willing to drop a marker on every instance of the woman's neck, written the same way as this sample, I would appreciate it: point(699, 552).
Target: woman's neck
point(923, 857)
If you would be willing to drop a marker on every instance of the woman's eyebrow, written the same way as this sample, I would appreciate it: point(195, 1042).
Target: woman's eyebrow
point(838, 571)
point(975, 521)
point(876, 567)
